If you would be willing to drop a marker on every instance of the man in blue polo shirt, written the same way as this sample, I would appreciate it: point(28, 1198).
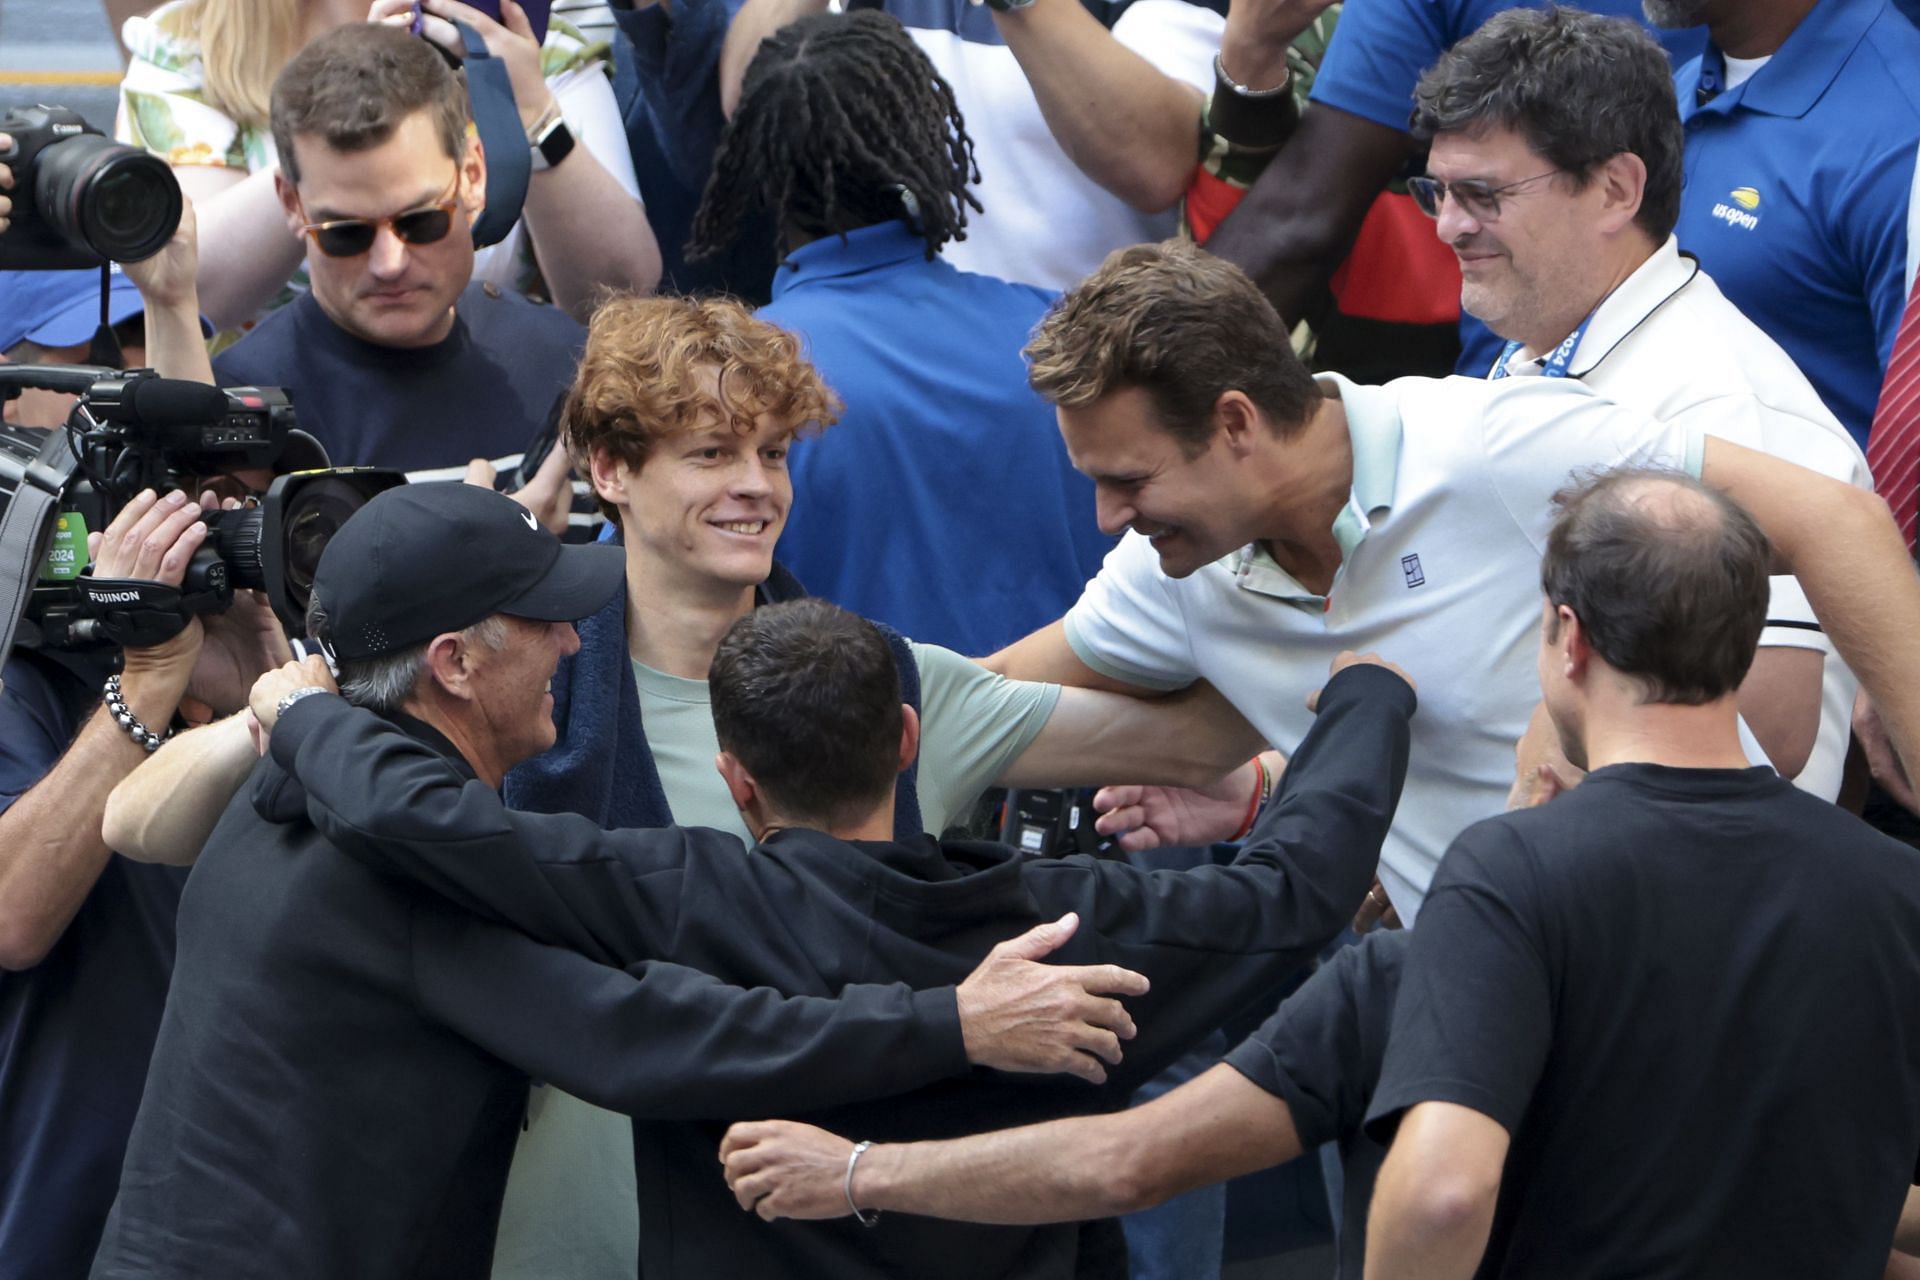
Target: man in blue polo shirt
point(1297, 222)
point(1803, 134)
point(943, 504)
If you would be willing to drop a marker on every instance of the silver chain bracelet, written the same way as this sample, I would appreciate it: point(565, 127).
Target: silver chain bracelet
point(124, 717)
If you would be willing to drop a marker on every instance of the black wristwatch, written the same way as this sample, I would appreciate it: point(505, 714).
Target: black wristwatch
point(553, 144)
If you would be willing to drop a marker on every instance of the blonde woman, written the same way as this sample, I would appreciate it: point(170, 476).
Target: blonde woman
point(197, 90)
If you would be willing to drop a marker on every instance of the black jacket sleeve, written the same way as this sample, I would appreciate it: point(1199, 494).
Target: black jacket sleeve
point(395, 803)
point(1215, 939)
point(661, 1041)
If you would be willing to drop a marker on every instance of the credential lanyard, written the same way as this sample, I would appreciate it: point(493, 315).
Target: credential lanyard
point(1557, 361)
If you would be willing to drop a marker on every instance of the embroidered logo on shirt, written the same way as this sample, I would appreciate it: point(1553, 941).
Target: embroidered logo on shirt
point(1747, 199)
point(1410, 565)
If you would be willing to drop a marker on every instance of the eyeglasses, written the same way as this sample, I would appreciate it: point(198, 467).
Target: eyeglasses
point(351, 237)
point(1480, 201)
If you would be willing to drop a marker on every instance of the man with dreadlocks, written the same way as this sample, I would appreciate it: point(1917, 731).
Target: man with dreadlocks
point(945, 460)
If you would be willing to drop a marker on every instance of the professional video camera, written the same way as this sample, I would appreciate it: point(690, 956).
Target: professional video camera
point(81, 199)
point(132, 431)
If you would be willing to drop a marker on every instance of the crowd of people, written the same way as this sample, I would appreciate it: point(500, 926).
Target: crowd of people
point(1425, 489)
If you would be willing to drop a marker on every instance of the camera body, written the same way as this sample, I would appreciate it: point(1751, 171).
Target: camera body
point(134, 430)
point(81, 199)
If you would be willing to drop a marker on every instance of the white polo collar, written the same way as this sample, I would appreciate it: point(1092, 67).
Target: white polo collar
point(1653, 283)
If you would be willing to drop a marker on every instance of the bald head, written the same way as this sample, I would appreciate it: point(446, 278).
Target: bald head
point(1667, 577)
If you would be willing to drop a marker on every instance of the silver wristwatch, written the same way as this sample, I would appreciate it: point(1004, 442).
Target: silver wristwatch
point(305, 691)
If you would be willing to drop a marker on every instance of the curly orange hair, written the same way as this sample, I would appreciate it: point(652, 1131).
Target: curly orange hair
point(652, 366)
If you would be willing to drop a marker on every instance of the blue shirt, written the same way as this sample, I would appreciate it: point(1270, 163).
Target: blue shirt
point(665, 82)
point(483, 391)
point(76, 1030)
point(1378, 53)
point(1800, 187)
point(942, 503)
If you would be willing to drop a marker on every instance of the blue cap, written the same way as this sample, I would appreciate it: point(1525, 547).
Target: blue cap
point(61, 308)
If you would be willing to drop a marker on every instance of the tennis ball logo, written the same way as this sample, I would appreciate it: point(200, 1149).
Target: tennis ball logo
point(1747, 198)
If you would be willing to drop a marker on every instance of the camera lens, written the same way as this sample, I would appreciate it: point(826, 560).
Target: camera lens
point(235, 537)
point(117, 201)
point(121, 198)
point(314, 514)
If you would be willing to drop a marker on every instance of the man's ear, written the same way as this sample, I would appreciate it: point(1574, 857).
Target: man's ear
point(1238, 421)
point(1623, 184)
point(609, 475)
point(449, 665)
point(473, 175)
point(289, 203)
point(1575, 650)
point(740, 783)
point(909, 736)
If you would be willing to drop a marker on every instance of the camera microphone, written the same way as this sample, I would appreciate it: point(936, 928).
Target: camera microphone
point(165, 403)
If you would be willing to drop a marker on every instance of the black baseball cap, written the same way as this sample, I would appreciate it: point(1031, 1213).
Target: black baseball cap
point(422, 559)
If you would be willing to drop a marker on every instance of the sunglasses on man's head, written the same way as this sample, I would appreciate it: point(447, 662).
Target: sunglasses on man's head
point(1475, 197)
point(351, 237)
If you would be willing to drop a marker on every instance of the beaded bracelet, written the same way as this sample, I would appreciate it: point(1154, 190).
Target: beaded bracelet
point(124, 717)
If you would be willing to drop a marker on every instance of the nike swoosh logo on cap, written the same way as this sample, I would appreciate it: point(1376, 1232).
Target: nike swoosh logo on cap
point(531, 522)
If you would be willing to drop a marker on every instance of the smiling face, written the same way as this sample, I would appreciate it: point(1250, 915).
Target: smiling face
point(513, 688)
point(707, 505)
point(1144, 480)
point(395, 294)
point(1524, 273)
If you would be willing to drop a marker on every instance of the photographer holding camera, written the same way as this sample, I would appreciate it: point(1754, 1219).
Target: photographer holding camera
point(86, 937)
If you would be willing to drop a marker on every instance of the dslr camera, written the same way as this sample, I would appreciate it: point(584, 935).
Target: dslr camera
point(81, 199)
point(135, 430)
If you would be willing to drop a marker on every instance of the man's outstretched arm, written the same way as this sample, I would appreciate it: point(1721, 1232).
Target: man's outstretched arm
point(1047, 656)
point(1216, 1126)
point(167, 807)
point(667, 1042)
point(662, 1040)
point(1193, 738)
point(1843, 546)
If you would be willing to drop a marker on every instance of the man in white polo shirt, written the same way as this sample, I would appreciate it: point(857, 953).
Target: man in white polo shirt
point(1561, 214)
point(1276, 521)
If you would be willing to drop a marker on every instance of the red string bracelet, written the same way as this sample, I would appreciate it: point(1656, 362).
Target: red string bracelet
point(1259, 794)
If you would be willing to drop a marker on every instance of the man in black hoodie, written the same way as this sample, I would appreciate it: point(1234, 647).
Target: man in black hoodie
point(807, 705)
point(342, 1064)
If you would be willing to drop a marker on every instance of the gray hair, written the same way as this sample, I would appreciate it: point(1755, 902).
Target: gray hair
point(384, 683)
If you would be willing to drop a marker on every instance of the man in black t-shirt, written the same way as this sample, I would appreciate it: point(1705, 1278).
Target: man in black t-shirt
point(1661, 1026)
point(1637, 988)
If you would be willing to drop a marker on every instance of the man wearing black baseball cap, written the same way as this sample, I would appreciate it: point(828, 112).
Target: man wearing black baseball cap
point(454, 599)
point(342, 1066)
